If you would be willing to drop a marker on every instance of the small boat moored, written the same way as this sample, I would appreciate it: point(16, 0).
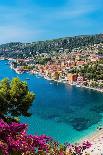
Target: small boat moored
point(27, 78)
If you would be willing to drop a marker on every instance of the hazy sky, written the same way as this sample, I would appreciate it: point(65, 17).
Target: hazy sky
point(31, 20)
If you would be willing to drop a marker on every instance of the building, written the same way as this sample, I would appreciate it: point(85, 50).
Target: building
point(71, 78)
point(80, 63)
point(80, 80)
point(13, 64)
point(55, 75)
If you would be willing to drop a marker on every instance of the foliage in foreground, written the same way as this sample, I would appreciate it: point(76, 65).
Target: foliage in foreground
point(15, 97)
point(15, 141)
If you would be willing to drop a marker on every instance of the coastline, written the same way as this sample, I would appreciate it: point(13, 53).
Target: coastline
point(66, 82)
point(94, 134)
point(58, 81)
point(96, 140)
point(91, 137)
point(96, 89)
point(74, 84)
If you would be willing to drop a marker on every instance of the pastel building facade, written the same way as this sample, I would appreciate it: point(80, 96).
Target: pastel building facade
point(80, 80)
point(71, 78)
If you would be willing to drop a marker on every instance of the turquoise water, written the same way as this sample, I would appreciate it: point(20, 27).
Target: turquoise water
point(66, 113)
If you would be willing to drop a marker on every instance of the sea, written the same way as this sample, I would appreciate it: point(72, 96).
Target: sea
point(63, 112)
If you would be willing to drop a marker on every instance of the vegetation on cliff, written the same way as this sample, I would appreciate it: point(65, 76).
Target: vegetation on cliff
point(23, 50)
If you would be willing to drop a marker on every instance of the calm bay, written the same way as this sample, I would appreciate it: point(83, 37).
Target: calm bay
point(65, 112)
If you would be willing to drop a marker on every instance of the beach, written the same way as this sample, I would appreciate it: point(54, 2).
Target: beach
point(96, 89)
point(96, 139)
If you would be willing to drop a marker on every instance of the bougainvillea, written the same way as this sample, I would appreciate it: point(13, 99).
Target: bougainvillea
point(14, 140)
point(78, 149)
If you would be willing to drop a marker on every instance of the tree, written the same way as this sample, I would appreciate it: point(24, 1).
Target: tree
point(15, 97)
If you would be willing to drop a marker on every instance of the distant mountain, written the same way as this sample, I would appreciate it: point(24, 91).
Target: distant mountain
point(15, 49)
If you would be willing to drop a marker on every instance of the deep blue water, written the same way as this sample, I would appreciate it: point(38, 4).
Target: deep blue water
point(64, 112)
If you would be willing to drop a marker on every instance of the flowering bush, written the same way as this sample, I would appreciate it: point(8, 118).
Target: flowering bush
point(15, 141)
point(78, 149)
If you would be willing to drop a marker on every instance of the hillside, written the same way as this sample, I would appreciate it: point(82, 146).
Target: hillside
point(15, 49)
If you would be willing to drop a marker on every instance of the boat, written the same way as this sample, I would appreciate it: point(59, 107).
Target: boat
point(77, 85)
point(19, 72)
point(27, 78)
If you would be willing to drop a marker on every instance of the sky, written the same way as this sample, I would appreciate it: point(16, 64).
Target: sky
point(33, 20)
